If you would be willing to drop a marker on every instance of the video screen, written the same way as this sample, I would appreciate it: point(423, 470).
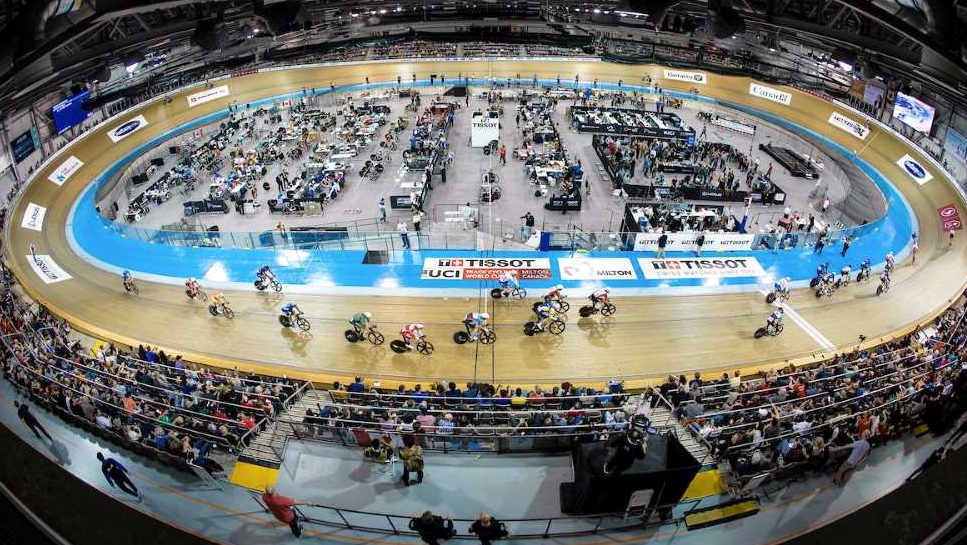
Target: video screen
point(70, 112)
point(913, 113)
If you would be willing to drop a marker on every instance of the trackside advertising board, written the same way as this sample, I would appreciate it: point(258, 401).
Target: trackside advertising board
point(46, 269)
point(688, 77)
point(207, 95)
point(34, 217)
point(679, 242)
point(769, 93)
point(698, 267)
point(596, 268)
point(65, 170)
point(476, 268)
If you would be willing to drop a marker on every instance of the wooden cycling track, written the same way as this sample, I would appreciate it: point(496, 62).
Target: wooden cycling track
point(649, 337)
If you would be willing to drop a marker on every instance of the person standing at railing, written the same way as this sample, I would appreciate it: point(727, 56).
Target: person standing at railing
point(433, 529)
point(488, 529)
point(282, 508)
point(412, 456)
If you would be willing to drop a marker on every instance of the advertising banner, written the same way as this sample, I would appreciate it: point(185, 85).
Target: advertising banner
point(65, 170)
point(573, 268)
point(956, 145)
point(670, 269)
point(207, 95)
point(688, 77)
point(34, 217)
point(769, 93)
point(473, 268)
point(46, 269)
point(857, 129)
point(949, 218)
point(484, 130)
point(914, 169)
point(125, 129)
point(874, 95)
point(683, 242)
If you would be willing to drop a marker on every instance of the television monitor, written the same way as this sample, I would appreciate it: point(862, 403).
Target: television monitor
point(913, 113)
point(70, 112)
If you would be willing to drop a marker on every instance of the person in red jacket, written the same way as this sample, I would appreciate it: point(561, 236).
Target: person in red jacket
point(282, 509)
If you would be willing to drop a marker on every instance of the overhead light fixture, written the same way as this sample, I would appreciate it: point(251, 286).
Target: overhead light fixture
point(132, 61)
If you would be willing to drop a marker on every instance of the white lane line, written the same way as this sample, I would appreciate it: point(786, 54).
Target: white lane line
point(814, 333)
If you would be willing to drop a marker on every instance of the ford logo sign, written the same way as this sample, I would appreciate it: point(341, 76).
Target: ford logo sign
point(127, 128)
point(914, 169)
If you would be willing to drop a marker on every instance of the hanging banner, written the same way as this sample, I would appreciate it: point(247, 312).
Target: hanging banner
point(665, 269)
point(688, 77)
point(65, 170)
point(956, 145)
point(914, 169)
point(684, 242)
point(769, 93)
point(596, 268)
point(855, 128)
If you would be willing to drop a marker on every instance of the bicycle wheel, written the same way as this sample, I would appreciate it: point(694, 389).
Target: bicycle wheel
point(213, 310)
point(778, 329)
point(556, 327)
point(461, 337)
point(608, 309)
point(229, 313)
point(586, 311)
point(760, 332)
point(488, 337)
point(560, 316)
point(276, 285)
point(565, 306)
point(376, 337)
point(880, 290)
point(425, 348)
point(518, 293)
point(770, 298)
point(495, 293)
point(284, 320)
point(397, 346)
point(351, 335)
point(302, 323)
point(529, 329)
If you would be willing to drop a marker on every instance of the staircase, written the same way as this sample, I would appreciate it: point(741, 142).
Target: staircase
point(268, 446)
point(662, 417)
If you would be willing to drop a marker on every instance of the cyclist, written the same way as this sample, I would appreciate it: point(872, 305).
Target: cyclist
point(475, 322)
point(885, 279)
point(505, 280)
point(220, 301)
point(292, 311)
point(542, 313)
point(265, 275)
point(554, 296)
point(127, 280)
point(865, 267)
point(843, 276)
point(360, 321)
point(781, 288)
point(411, 332)
point(775, 319)
point(890, 261)
point(600, 297)
point(193, 288)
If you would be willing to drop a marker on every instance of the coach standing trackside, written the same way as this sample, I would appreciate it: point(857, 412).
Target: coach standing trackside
point(281, 508)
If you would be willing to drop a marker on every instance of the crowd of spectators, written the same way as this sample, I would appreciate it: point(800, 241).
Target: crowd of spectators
point(812, 417)
point(478, 410)
point(143, 397)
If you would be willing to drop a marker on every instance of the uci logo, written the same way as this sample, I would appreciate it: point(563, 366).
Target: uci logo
point(915, 169)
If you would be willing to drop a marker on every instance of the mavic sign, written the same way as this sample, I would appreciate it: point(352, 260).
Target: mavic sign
point(459, 268)
point(769, 93)
point(125, 129)
point(670, 269)
point(34, 217)
point(688, 77)
point(855, 128)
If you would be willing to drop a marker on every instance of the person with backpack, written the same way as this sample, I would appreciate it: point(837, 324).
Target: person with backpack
point(433, 529)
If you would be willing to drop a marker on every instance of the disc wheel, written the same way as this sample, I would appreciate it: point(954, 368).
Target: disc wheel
point(351, 335)
point(397, 346)
point(771, 298)
point(461, 337)
point(760, 332)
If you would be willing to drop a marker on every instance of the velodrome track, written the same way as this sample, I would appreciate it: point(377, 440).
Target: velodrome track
point(649, 337)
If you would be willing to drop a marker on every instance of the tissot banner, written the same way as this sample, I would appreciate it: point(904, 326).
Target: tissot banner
point(484, 130)
point(683, 242)
point(474, 268)
point(662, 269)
